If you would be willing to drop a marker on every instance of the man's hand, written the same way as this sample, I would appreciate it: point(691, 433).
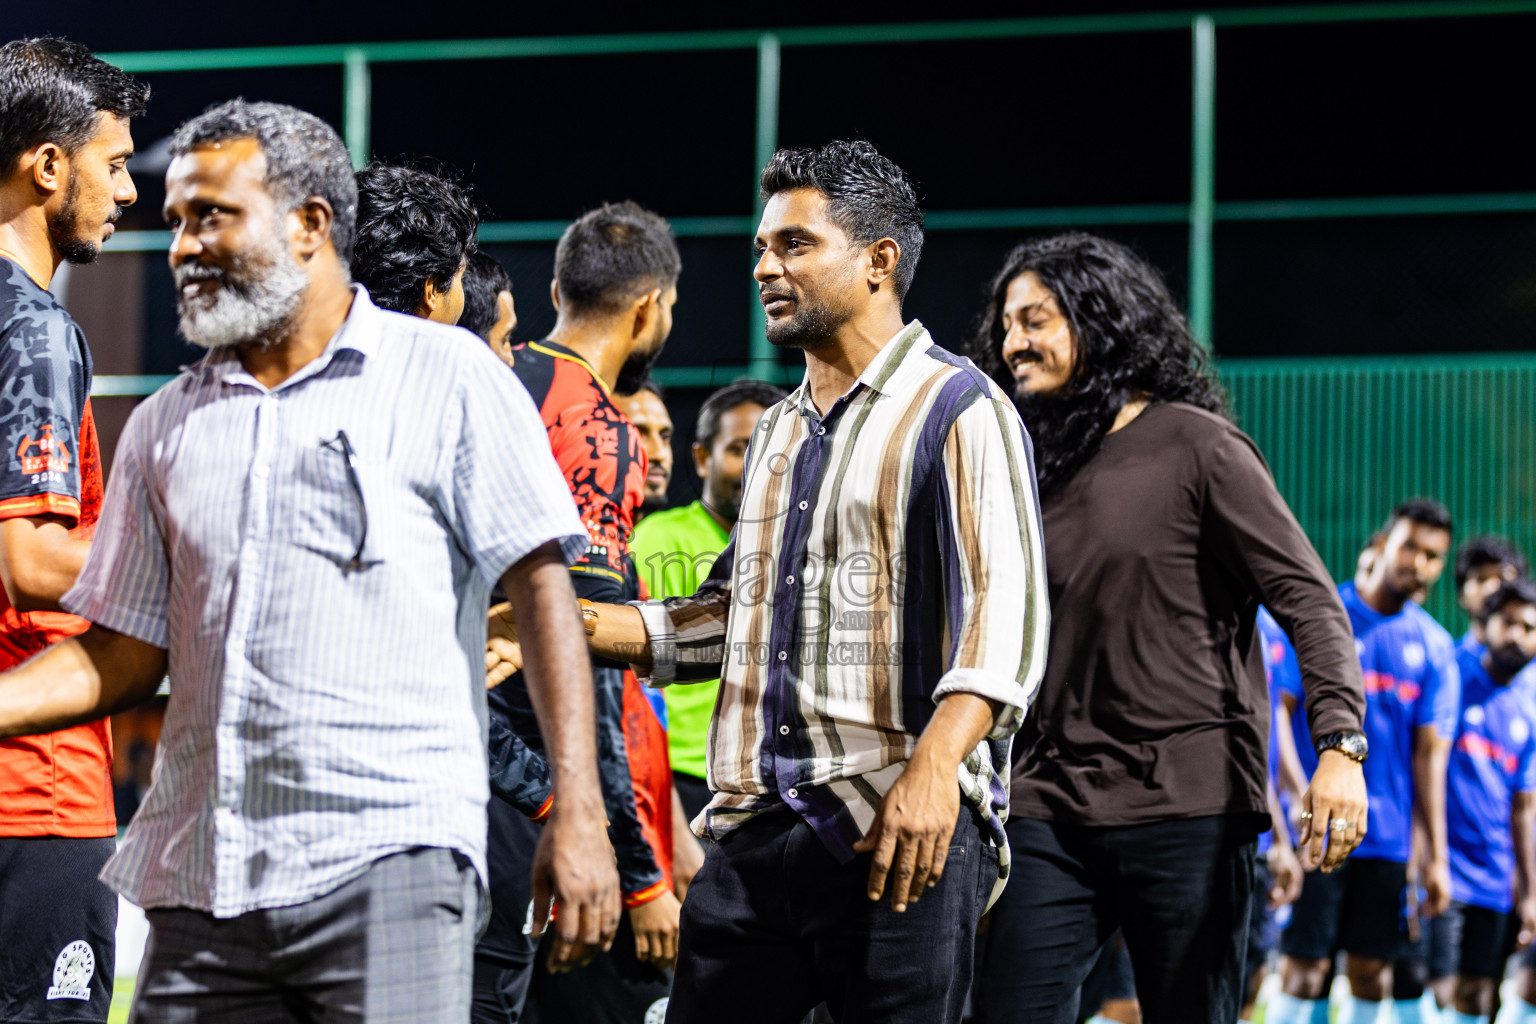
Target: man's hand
point(687, 856)
point(1286, 872)
point(1527, 912)
point(574, 868)
point(1437, 888)
point(503, 652)
point(911, 831)
point(655, 928)
point(1333, 810)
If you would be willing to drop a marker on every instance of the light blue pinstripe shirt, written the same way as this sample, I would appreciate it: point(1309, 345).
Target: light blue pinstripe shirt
point(322, 715)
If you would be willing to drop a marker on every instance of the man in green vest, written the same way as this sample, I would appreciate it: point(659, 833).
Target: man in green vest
point(674, 549)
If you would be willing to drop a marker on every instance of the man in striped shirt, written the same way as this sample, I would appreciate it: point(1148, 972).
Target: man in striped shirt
point(879, 624)
point(303, 529)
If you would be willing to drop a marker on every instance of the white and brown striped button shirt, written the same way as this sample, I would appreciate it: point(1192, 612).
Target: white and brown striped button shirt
point(887, 554)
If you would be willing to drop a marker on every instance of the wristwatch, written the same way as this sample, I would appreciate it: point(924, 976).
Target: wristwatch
point(1349, 743)
point(588, 616)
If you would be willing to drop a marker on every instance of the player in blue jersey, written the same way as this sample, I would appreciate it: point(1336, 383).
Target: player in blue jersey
point(1278, 868)
point(1412, 698)
point(1483, 564)
point(1491, 802)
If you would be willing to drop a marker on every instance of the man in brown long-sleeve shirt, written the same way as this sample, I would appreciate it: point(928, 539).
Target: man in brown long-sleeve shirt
point(1139, 778)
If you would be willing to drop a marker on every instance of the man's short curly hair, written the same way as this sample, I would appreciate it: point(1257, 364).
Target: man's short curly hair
point(610, 256)
point(867, 195)
point(413, 227)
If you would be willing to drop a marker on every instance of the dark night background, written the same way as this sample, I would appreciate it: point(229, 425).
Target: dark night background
point(1366, 109)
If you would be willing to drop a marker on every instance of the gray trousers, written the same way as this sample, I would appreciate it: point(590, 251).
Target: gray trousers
point(393, 945)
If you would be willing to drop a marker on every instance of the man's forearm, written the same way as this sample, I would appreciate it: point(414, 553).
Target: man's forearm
point(1523, 830)
point(1293, 779)
point(39, 561)
point(961, 721)
point(620, 635)
point(558, 673)
point(1429, 761)
point(79, 680)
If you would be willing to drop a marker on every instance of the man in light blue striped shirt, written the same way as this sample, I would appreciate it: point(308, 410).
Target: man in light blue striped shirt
point(304, 528)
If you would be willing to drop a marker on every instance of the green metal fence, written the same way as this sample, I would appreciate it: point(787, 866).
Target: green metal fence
point(1347, 438)
point(1201, 213)
point(1350, 438)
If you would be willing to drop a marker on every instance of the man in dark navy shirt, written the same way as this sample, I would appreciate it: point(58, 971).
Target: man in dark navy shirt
point(1412, 691)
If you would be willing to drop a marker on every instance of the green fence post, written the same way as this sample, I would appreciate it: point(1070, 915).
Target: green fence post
point(764, 364)
point(1202, 193)
point(357, 100)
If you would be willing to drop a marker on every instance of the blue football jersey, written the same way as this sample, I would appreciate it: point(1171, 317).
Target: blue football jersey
point(1411, 680)
point(1494, 758)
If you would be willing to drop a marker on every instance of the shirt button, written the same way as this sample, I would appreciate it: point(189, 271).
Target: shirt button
point(821, 430)
point(783, 655)
point(783, 730)
point(793, 793)
point(789, 580)
point(804, 505)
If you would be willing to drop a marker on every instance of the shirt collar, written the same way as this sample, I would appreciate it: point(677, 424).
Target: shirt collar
point(359, 332)
point(894, 371)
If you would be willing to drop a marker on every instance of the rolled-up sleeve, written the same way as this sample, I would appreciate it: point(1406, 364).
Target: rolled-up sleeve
point(125, 583)
point(687, 634)
point(994, 557)
point(508, 495)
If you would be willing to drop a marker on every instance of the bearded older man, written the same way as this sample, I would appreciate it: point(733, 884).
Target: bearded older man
point(294, 530)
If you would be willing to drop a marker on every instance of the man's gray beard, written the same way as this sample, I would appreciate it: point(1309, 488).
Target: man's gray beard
point(257, 299)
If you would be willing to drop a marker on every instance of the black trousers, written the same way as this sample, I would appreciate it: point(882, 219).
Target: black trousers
point(1180, 891)
point(773, 925)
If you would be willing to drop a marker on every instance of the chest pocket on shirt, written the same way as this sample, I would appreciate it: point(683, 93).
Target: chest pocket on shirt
point(337, 511)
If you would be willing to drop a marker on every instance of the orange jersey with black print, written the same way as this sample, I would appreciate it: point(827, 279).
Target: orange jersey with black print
point(599, 452)
point(59, 783)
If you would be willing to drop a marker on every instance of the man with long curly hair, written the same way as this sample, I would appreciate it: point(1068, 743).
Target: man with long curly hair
point(1138, 788)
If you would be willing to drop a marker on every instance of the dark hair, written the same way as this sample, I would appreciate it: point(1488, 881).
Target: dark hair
point(758, 392)
point(51, 91)
point(1129, 338)
point(305, 157)
point(413, 228)
point(612, 254)
point(1520, 591)
point(484, 280)
point(867, 195)
point(649, 384)
point(1424, 511)
point(1487, 550)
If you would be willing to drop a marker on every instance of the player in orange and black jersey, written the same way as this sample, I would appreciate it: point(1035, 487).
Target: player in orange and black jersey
point(615, 283)
point(64, 147)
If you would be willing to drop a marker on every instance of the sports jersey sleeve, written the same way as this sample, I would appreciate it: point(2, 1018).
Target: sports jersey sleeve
point(600, 456)
point(1439, 702)
point(42, 407)
point(520, 775)
point(1279, 656)
point(1525, 770)
point(1266, 548)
